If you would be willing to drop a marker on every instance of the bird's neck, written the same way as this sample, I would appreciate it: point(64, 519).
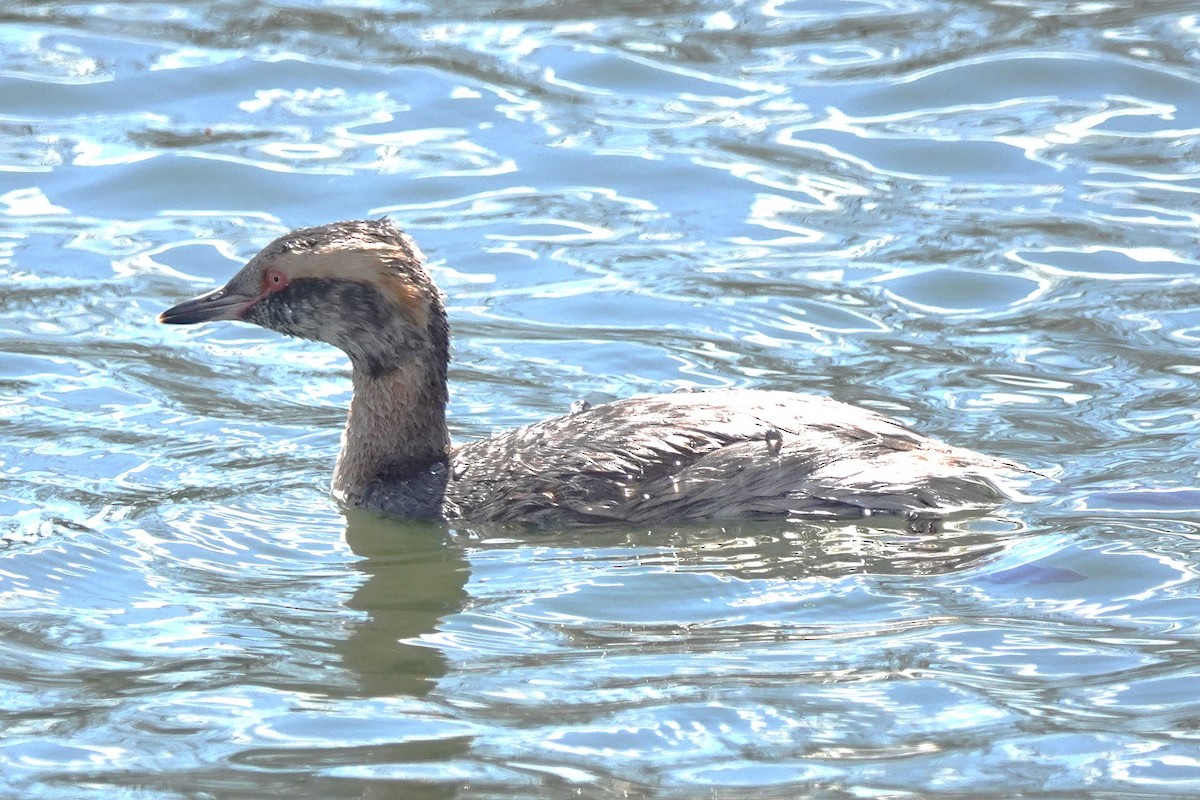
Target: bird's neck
point(396, 428)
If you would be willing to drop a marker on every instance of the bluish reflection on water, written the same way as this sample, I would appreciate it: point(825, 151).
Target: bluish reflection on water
point(981, 218)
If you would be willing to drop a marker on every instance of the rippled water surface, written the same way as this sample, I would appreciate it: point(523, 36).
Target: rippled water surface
point(980, 217)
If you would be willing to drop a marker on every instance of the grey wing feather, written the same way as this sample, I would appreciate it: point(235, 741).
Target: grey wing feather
point(711, 455)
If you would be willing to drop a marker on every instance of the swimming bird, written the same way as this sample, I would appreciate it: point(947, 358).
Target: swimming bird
point(708, 455)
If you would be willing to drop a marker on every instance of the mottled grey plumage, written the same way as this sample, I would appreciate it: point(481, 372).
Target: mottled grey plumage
point(688, 456)
point(714, 455)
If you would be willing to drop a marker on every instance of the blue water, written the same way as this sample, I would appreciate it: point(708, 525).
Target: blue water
point(981, 218)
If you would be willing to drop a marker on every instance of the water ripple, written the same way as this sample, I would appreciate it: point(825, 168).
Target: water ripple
point(980, 218)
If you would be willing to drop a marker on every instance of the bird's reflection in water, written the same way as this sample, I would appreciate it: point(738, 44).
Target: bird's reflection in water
point(808, 550)
point(415, 576)
point(416, 582)
point(775, 550)
point(416, 573)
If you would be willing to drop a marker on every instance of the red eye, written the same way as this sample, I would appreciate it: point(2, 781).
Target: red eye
point(274, 280)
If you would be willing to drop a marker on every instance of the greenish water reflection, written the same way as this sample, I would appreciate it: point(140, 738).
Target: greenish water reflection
point(414, 578)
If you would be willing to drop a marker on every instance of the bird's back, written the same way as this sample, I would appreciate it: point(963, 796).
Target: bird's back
point(720, 454)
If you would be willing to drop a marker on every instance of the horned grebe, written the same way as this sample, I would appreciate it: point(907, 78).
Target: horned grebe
point(721, 454)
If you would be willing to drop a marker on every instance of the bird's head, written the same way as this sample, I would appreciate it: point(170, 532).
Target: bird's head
point(360, 286)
